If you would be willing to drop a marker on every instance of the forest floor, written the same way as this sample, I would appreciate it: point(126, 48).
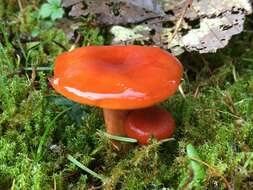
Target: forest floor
point(41, 132)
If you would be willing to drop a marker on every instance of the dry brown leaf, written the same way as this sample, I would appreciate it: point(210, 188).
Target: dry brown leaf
point(216, 21)
point(206, 26)
point(112, 12)
point(214, 33)
point(219, 21)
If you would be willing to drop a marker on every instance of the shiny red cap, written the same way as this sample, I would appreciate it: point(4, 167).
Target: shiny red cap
point(117, 77)
point(149, 122)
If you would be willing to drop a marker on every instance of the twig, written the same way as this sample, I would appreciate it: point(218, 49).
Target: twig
point(180, 88)
point(33, 76)
point(55, 185)
point(179, 22)
point(223, 112)
point(13, 184)
point(20, 5)
point(196, 92)
point(76, 41)
point(234, 73)
point(228, 101)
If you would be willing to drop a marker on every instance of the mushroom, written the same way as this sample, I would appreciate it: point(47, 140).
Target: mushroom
point(117, 79)
point(144, 123)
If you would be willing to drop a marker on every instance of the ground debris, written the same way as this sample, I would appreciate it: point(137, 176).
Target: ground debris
point(214, 33)
point(217, 20)
point(207, 25)
point(111, 12)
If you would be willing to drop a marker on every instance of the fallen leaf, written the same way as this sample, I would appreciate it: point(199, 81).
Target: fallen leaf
point(206, 8)
point(112, 12)
point(214, 33)
point(208, 25)
point(213, 8)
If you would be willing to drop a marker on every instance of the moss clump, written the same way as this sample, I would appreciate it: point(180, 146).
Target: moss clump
point(39, 128)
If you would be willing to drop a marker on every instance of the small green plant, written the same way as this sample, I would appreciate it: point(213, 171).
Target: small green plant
point(197, 171)
point(52, 9)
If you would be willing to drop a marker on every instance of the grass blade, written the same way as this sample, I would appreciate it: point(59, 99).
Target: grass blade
point(119, 138)
point(83, 167)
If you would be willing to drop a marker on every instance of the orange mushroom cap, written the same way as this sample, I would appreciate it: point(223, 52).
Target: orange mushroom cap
point(117, 77)
point(144, 123)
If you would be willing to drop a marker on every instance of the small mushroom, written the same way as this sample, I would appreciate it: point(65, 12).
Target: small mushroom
point(117, 79)
point(149, 122)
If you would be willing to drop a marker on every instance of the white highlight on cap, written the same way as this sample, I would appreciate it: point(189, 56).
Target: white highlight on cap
point(128, 94)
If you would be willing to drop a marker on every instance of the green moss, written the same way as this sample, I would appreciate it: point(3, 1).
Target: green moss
point(39, 128)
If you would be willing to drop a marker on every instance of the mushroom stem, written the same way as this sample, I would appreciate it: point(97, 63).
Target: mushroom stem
point(114, 121)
